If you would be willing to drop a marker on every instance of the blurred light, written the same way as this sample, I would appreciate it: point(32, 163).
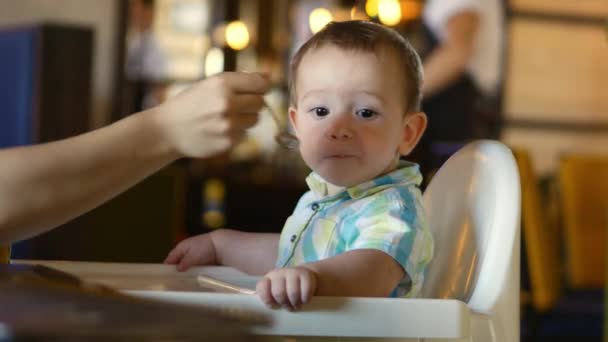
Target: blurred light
point(411, 9)
point(356, 14)
point(371, 8)
point(214, 191)
point(237, 35)
point(214, 61)
point(389, 12)
point(318, 18)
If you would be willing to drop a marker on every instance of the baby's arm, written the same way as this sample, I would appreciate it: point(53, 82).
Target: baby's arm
point(357, 273)
point(252, 253)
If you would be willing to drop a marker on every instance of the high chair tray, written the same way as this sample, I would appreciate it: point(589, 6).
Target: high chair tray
point(323, 316)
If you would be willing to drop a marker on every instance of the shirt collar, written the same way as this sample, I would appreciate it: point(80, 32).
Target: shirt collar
point(406, 173)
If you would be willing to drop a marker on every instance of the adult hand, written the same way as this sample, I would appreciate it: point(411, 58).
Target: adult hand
point(45, 185)
point(211, 116)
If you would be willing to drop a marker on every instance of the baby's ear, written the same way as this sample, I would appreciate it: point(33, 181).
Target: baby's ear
point(292, 119)
point(413, 128)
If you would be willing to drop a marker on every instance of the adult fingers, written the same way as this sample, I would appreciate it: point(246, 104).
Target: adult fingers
point(225, 125)
point(247, 103)
point(236, 137)
point(242, 121)
point(247, 82)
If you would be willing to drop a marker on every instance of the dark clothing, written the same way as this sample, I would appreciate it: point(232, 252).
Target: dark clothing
point(451, 113)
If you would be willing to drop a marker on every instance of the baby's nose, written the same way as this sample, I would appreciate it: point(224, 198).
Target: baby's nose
point(340, 128)
point(341, 134)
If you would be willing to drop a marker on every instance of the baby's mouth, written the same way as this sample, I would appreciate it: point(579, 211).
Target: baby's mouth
point(340, 156)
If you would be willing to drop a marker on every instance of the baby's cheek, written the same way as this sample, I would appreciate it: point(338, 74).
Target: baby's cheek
point(310, 155)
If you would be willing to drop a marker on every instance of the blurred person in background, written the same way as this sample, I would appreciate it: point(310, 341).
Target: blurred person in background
point(462, 63)
point(147, 64)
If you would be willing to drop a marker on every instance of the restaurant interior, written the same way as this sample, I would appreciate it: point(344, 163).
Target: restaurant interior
point(96, 62)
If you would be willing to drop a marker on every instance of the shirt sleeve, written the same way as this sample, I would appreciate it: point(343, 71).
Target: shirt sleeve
point(396, 227)
point(437, 13)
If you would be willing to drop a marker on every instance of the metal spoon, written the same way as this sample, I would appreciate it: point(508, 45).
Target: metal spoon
point(283, 137)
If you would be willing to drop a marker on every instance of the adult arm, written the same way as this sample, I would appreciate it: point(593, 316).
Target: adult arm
point(45, 185)
point(449, 60)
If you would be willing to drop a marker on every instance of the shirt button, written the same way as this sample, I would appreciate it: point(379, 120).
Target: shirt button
point(293, 238)
point(315, 206)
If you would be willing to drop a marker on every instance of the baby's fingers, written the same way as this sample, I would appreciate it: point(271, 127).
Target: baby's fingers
point(263, 290)
point(279, 293)
point(189, 259)
point(292, 284)
point(308, 286)
point(174, 256)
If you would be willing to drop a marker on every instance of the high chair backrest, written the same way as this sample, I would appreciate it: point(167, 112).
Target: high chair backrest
point(473, 205)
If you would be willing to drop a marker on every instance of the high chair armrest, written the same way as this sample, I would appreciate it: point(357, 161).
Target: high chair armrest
point(343, 316)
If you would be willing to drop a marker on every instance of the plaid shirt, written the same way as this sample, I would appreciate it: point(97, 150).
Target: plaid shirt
point(385, 213)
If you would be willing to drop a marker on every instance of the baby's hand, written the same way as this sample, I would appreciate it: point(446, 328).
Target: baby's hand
point(287, 287)
point(197, 250)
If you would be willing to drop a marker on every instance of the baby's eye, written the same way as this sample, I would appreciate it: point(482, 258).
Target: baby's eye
point(366, 113)
point(320, 111)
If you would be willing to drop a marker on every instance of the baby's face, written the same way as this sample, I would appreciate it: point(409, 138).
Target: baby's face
point(349, 113)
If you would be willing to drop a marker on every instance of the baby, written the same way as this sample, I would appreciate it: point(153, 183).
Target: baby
point(360, 230)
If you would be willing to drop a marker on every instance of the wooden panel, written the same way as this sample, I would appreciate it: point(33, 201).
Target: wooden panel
point(590, 8)
point(557, 72)
point(65, 59)
point(5, 254)
point(139, 225)
point(545, 147)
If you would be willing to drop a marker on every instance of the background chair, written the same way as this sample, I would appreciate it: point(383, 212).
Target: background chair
point(584, 200)
point(541, 240)
point(555, 309)
point(543, 263)
point(583, 197)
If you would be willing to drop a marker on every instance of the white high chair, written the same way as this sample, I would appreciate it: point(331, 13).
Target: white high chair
point(473, 204)
point(472, 286)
